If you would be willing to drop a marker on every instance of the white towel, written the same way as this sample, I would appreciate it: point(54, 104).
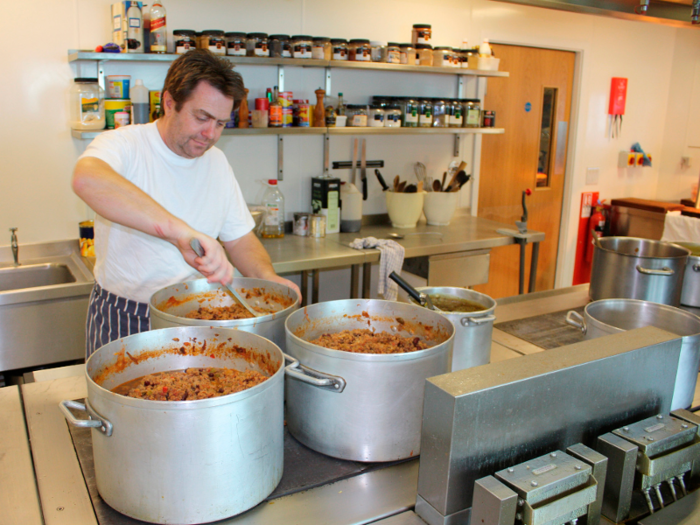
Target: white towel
point(679, 228)
point(390, 260)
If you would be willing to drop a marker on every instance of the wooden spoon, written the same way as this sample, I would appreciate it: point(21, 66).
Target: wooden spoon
point(396, 183)
point(442, 186)
point(436, 185)
point(420, 186)
point(401, 187)
point(411, 188)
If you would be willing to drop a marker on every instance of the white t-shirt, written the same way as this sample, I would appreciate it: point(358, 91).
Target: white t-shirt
point(203, 192)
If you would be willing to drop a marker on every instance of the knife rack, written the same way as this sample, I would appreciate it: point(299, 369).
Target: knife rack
point(347, 164)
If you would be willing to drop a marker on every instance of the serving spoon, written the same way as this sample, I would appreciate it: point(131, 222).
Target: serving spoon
point(421, 298)
point(197, 247)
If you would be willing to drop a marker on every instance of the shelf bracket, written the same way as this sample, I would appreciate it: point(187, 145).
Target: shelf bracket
point(456, 148)
point(328, 82)
point(280, 157)
point(460, 86)
point(280, 78)
point(326, 154)
point(101, 74)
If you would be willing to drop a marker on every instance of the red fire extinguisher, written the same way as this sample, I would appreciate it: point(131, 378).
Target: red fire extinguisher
point(596, 226)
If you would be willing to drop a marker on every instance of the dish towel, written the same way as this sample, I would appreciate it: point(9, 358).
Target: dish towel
point(679, 228)
point(390, 260)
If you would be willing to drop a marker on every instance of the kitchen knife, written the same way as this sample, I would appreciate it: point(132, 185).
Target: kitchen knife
point(363, 169)
point(354, 163)
point(381, 180)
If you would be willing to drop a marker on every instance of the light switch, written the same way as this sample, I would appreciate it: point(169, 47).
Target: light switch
point(592, 175)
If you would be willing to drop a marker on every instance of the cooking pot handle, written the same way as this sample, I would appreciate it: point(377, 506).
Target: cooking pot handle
point(655, 271)
point(696, 267)
point(579, 322)
point(466, 321)
point(313, 377)
point(95, 421)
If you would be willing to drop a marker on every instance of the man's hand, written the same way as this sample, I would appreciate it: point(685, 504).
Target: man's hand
point(286, 282)
point(214, 265)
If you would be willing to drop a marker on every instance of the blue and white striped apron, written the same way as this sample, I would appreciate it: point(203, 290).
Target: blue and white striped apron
point(111, 317)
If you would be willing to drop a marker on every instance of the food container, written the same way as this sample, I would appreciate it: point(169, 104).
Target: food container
point(425, 113)
point(471, 108)
point(375, 118)
point(321, 48)
point(378, 51)
point(280, 46)
point(610, 316)
point(456, 114)
point(424, 55)
point(340, 49)
point(317, 225)
point(392, 116)
point(408, 54)
point(184, 461)
point(301, 224)
point(256, 45)
point(404, 209)
point(87, 238)
point(690, 292)
point(112, 106)
point(393, 53)
point(185, 39)
point(442, 56)
point(87, 105)
point(473, 330)
point(357, 115)
point(440, 114)
point(359, 50)
point(422, 34)
point(410, 111)
point(236, 43)
point(118, 86)
point(213, 40)
point(170, 305)
point(488, 118)
point(370, 408)
point(632, 268)
point(440, 206)
point(302, 46)
point(121, 118)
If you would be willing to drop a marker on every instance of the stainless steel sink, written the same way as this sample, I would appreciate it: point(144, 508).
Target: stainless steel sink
point(43, 305)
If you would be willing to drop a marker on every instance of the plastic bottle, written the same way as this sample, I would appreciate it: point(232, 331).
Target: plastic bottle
point(485, 49)
point(341, 105)
point(159, 43)
point(140, 102)
point(275, 120)
point(134, 32)
point(273, 222)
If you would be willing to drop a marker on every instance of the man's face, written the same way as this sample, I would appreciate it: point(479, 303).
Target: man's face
point(194, 129)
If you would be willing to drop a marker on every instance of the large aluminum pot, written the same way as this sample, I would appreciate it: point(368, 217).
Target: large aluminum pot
point(690, 294)
point(373, 412)
point(170, 305)
point(610, 316)
point(185, 461)
point(473, 330)
point(631, 268)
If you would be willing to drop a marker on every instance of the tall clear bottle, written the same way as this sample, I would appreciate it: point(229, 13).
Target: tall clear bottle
point(273, 200)
point(341, 105)
point(159, 43)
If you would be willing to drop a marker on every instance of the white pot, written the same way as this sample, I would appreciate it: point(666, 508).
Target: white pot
point(404, 208)
point(439, 207)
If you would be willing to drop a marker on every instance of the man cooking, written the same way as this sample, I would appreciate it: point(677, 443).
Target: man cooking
point(157, 186)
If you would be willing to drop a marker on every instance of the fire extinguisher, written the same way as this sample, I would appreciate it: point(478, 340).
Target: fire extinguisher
point(596, 226)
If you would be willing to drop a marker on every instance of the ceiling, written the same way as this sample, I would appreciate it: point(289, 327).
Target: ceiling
point(670, 12)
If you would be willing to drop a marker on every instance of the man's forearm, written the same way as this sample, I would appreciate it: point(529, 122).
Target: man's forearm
point(249, 256)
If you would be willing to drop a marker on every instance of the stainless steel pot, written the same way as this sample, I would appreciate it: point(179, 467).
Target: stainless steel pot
point(610, 316)
point(690, 294)
point(473, 330)
point(184, 461)
point(374, 410)
point(170, 305)
point(627, 267)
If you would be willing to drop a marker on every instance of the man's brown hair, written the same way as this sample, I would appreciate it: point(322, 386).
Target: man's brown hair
point(201, 65)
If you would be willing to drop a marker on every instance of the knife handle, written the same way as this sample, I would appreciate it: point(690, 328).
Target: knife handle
point(364, 189)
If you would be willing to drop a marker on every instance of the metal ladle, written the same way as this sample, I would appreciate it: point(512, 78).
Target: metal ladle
point(420, 297)
point(197, 247)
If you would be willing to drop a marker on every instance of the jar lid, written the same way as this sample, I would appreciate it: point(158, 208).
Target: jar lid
point(338, 41)
point(279, 37)
point(418, 26)
point(321, 39)
point(85, 80)
point(212, 32)
point(376, 107)
point(423, 46)
point(233, 34)
point(257, 35)
point(393, 107)
point(356, 106)
point(359, 41)
point(183, 32)
point(392, 44)
point(442, 48)
point(302, 37)
point(376, 43)
point(406, 45)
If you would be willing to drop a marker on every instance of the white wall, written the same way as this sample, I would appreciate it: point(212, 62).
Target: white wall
point(38, 152)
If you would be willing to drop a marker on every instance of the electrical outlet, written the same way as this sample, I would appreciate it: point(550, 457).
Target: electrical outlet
point(592, 175)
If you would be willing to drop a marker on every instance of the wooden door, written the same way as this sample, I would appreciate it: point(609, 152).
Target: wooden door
point(533, 105)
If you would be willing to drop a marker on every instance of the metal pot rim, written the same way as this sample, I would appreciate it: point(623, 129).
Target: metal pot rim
point(599, 246)
point(482, 313)
point(354, 356)
point(660, 306)
point(226, 323)
point(195, 404)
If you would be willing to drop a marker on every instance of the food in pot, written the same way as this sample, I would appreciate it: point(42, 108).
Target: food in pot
point(365, 341)
point(190, 384)
point(452, 303)
point(266, 303)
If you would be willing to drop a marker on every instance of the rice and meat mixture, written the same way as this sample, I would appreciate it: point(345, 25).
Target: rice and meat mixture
point(364, 341)
point(220, 313)
point(192, 383)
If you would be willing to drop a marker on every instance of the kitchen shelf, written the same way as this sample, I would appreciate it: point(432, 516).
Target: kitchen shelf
point(74, 56)
point(334, 131)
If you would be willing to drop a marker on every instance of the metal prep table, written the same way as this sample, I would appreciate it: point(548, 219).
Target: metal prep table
point(387, 494)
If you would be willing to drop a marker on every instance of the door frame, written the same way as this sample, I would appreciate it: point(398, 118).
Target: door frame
point(567, 194)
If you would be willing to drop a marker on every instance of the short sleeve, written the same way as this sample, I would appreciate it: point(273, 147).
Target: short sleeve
point(113, 148)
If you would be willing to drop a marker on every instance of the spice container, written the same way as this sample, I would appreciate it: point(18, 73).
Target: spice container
point(184, 40)
point(442, 56)
point(321, 48)
point(393, 53)
point(392, 116)
point(472, 112)
point(235, 44)
point(257, 45)
point(302, 46)
point(424, 55)
point(425, 113)
point(359, 50)
point(375, 119)
point(87, 109)
point(317, 225)
point(301, 224)
point(440, 115)
point(409, 111)
point(470, 58)
point(488, 118)
point(301, 113)
point(213, 40)
point(456, 114)
point(378, 51)
point(339, 49)
point(280, 46)
point(422, 34)
point(357, 115)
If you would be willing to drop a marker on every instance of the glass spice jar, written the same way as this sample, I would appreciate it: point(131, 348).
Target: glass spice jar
point(442, 57)
point(321, 48)
point(184, 40)
point(424, 55)
point(357, 115)
point(375, 117)
point(359, 50)
point(279, 46)
point(302, 46)
point(339, 49)
point(378, 51)
point(408, 54)
point(422, 34)
point(392, 116)
point(456, 114)
point(488, 119)
point(393, 53)
point(440, 114)
point(409, 112)
point(472, 112)
point(257, 45)
point(213, 40)
point(425, 113)
point(235, 44)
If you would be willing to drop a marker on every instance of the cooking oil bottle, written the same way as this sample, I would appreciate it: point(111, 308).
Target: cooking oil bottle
point(273, 200)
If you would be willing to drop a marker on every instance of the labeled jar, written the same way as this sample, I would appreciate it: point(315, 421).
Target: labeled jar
point(442, 57)
point(257, 45)
point(392, 116)
point(422, 34)
point(393, 53)
point(280, 46)
point(440, 115)
point(302, 46)
point(378, 51)
point(408, 54)
point(214, 41)
point(184, 40)
point(339, 49)
point(235, 44)
point(375, 118)
point(359, 50)
point(301, 113)
point(456, 114)
point(321, 48)
point(425, 113)
point(488, 118)
point(472, 112)
point(409, 111)
point(87, 105)
point(357, 115)
point(424, 55)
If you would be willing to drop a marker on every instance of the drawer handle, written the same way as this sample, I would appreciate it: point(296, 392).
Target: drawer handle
point(656, 271)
